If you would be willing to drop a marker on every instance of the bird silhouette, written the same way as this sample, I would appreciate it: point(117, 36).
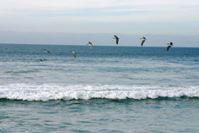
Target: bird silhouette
point(116, 39)
point(143, 39)
point(169, 45)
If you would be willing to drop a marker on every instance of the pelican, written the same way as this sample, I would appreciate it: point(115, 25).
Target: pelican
point(41, 60)
point(90, 44)
point(169, 45)
point(74, 54)
point(143, 39)
point(46, 51)
point(116, 39)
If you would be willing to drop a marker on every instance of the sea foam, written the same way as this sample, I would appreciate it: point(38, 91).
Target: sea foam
point(69, 92)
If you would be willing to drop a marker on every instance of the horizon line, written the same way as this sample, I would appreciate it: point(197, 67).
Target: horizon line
point(112, 45)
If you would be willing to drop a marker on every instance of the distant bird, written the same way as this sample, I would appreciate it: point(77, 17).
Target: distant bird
point(90, 44)
point(116, 39)
point(143, 39)
point(46, 51)
point(74, 54)
point(169, 45)
point(42, 60)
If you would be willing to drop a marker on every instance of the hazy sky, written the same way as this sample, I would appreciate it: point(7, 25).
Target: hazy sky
point(77, 21)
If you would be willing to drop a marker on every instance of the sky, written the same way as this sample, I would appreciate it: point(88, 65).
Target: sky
point(78, 21)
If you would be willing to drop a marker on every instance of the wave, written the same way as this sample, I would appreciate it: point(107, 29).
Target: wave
point(75, 92)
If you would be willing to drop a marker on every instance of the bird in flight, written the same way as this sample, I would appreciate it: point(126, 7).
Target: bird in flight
point(169, 45)
point(90, 44)
point(46, 51)
point(74, 54)
point(116, 39)
point(143, 39)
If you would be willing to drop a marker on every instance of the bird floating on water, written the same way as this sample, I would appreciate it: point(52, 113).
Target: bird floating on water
point(169, 45)
point(116, 39)
point(90, 44)
point(74, 54)
point(143, 39)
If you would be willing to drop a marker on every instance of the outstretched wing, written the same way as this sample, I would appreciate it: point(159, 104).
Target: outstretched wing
point(142, 42)
point(116, 39)
point(168, 47)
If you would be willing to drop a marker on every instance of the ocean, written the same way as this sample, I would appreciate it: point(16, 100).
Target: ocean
point(105, 89)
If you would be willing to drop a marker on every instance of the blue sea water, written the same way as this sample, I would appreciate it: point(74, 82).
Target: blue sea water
point(106, 89)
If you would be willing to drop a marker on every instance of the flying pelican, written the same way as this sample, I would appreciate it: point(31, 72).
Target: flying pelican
point(41, 60)
point(169, 45)
point(90, 44)
point(143, 39)
point(116, 39)
point(46, 51)
point(74, 54)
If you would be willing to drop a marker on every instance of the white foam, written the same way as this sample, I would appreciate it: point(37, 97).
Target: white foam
point(68, 92)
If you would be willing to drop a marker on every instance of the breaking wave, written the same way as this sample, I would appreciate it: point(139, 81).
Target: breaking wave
point(74, 92)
